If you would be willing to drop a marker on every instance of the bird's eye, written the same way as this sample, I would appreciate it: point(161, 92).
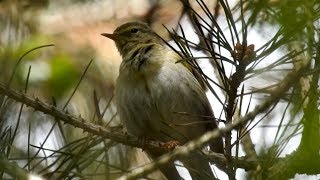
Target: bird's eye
point(134, 30)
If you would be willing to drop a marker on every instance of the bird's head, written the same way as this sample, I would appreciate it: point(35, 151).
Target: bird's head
point(131, 35)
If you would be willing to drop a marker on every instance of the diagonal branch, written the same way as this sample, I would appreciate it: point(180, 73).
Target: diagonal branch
point(78, 122)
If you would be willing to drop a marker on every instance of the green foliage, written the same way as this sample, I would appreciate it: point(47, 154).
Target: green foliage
point(63, 75)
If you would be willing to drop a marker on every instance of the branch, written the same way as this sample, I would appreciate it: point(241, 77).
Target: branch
point(78, 122)
point(239, 162)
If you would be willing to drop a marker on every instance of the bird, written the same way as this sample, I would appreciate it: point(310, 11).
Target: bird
point(159, 98)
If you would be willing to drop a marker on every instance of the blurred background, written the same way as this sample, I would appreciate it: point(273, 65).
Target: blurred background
point(71, 29)
point(66, 35)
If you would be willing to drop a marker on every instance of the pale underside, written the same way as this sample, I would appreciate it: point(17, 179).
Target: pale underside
point(161, 99)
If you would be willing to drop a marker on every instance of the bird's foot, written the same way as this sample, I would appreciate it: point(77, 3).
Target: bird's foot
point(170, 145)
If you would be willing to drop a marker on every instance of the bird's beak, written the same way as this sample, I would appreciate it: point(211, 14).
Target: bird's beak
point(110, 36)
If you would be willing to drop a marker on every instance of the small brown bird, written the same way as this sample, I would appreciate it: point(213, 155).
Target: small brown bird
point(160, 99)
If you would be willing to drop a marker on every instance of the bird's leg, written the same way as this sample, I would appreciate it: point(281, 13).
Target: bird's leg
point(143, 141)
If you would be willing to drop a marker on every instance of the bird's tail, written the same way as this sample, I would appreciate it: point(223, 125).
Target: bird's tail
point(169, 170)
point(198, 167)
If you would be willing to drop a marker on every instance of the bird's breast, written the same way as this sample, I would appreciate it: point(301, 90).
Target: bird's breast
point(149, 101)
